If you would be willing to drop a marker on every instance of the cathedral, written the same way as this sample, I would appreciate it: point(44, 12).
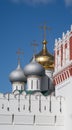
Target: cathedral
point(41, 96)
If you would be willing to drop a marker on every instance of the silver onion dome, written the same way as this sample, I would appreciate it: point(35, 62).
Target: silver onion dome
point(17, 75)
point(34, 68)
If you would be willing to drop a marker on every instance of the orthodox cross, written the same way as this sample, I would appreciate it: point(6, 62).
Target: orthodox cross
point(34, 44)
point(19, 52)
point(44, 29)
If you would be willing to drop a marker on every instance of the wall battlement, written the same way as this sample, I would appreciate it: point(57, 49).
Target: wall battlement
point(63, 51)
point(63, 58)
point(31, 109)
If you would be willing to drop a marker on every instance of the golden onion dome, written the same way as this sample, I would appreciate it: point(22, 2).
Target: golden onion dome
point(45, 58)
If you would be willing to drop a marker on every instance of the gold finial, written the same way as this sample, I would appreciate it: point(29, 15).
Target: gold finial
point(45, 28)
point(34, 44)
point(19, 52)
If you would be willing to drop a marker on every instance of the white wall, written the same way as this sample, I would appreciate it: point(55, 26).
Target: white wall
point(65, 89)
point(31, 110)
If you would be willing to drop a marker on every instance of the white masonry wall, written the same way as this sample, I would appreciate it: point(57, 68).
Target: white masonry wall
point(65, 89)
point(64, 43)
point(31, 111)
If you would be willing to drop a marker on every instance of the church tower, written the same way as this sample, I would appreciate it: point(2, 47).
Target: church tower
point(46, 59)
point(17, 77)
point(63, 72)
point(63, 64)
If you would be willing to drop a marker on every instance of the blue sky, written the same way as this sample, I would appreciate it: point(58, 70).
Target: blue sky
point(20, 22)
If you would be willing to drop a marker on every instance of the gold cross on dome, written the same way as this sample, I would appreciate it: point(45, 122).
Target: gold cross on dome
point(19, 52)
point(44, 27)
point(34, 44)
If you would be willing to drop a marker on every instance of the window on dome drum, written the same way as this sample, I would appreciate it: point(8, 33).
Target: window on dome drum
point(48, 83)
point(21, 87)
point(31, 84)
point(16, 87)
point(37, 84)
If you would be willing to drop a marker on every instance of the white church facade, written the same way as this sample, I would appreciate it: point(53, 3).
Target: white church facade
point(41, 95)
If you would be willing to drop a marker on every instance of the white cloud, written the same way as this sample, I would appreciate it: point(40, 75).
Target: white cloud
point(33, 1)
point(68, 2)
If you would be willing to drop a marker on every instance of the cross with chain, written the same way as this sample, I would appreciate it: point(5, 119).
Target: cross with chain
point(19, 52)
point(44, 29)
point(34, 44)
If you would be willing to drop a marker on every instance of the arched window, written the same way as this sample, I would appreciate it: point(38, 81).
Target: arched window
point(48, 83)
point(16, 87)
point(37, 84)
point(21, 87)
point(31, 84)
